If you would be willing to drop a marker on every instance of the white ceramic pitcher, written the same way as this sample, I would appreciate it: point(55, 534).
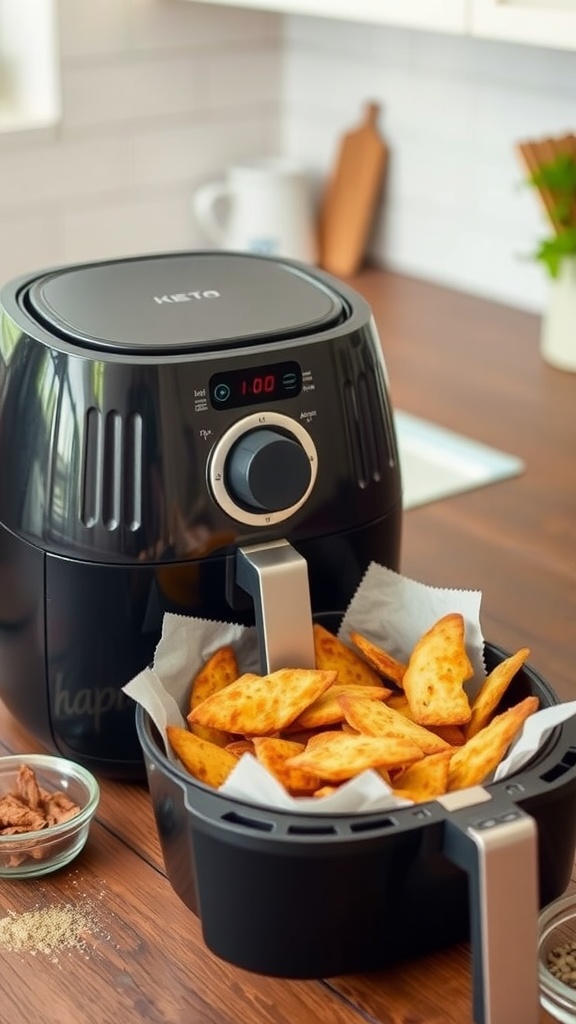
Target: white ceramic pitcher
point(264, 207)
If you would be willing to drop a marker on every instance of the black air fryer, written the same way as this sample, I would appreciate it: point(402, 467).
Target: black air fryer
point(314, 895)
point(201, 433)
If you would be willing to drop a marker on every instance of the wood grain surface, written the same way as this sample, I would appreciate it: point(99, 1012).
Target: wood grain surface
point(469, 365)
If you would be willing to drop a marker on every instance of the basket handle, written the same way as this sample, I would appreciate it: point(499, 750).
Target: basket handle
point(496, 844)
point(276, 577)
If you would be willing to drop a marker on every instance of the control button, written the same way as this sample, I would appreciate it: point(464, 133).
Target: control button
point(290, 381)
point(221, 393)
point(267, 471)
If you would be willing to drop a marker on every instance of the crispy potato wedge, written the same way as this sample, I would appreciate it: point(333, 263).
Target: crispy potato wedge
point(471, 764)
point(239, 747)
point(383, 662)
point(327, 710)
point(372, 718)
point(493, 689)
point(261, 705)
point(336, 756)
point(274, 754)
point(425, 779)
point(332, 653)
point(437, 669)
point(206, 761)
point(220, 670)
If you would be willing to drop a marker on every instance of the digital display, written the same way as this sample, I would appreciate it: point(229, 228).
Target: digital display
point(255, 385)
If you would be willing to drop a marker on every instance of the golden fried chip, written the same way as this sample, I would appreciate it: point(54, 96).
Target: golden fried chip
point(297, 736)
point(239, 747)
point(205, 761)
point(336, 756)
point(327, 710)
point(274, 754)
point(372, 718)
point(399, 701)
point(425, 779)
point(348, 728)
point(220, 670)
point(383, 662)
point(451, 734)
point(437, 670)
point(325, 791)
point(261, 705)
point(332, 653)
point(492, 690)
point(471, 764)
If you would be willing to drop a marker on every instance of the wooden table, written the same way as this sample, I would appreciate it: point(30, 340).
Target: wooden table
point(469, 365)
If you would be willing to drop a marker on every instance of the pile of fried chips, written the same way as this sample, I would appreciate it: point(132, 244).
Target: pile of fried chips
point(314, 729)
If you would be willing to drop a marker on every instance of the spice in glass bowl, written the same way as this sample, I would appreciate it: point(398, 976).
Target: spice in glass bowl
point(561, 963)
point(47, 804)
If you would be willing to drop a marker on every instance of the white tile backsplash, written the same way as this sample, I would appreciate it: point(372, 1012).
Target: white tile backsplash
point(454, 209)
point(126, 89)
point(30, 240)
point(64, 172)
point(190, 152)
point(129, 224)
point(157, 96)
point(161, 95)
point(87, 28)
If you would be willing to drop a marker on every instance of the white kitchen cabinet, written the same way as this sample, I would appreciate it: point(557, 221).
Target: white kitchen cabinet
point(540, 22)
point(547, 23)
point(439, 15)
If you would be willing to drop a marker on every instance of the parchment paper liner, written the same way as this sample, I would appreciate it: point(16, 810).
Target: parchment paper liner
point(392, 611)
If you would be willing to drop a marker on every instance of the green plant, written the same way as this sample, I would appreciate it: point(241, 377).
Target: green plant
point(556, 183)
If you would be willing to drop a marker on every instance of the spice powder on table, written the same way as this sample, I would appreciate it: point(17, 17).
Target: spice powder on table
point(47, 930)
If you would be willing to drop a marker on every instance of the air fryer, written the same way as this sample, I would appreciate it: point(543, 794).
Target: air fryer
point(202, 433)
point(313, 896)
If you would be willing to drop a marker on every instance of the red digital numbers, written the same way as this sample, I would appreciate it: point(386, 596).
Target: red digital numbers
point(259, 385)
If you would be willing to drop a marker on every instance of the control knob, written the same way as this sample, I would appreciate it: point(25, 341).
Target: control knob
point(267, 470)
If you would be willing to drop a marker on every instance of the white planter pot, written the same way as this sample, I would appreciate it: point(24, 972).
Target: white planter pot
point(558, 331)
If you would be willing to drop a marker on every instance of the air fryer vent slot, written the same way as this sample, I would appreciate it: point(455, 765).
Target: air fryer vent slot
point(112, 470)
point(368, 433)
point(312, 830)
point(255, 823)
point(563, 766)
point(372, 826)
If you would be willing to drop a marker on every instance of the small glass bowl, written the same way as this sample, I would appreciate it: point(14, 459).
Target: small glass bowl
point(556, 929)
point(31, 854)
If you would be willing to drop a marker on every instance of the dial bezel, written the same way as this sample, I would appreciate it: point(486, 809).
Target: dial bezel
point(216, 468)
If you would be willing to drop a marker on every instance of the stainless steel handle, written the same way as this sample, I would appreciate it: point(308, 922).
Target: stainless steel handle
point(276, 577)
point(497, 846)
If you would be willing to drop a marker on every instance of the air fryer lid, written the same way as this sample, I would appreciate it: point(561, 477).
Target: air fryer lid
point(182, 302)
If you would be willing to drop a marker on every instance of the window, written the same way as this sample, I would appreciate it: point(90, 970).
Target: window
point(29, 85)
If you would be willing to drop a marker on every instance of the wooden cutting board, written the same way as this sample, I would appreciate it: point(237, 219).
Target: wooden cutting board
point(348, 206)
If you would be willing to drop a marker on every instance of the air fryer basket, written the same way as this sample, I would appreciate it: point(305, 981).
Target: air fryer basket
point(302, 897)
